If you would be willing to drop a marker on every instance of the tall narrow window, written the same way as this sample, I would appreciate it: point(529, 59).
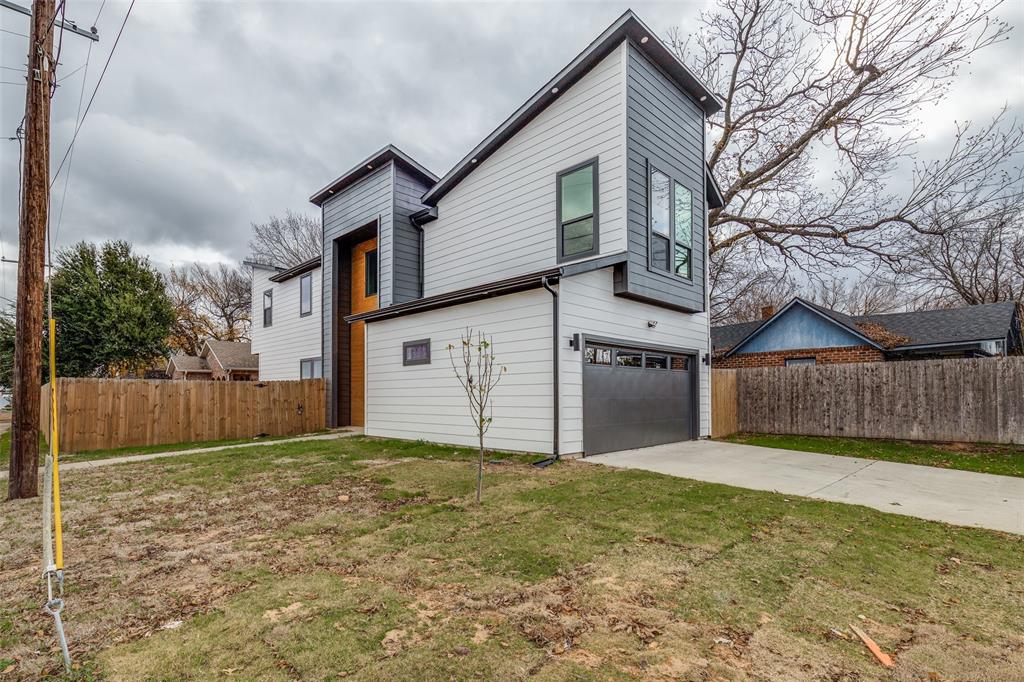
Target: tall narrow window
point(306, 295)
point(661, 220)
point(683, 231)
point(371, 273)
point(268, 308)
point(577, 211)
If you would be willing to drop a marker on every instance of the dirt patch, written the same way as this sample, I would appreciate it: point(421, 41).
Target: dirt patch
point(139, 560)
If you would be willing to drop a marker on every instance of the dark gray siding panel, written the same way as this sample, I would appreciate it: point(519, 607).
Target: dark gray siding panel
point(665, 127)
point(356, 206)
point(406, 278)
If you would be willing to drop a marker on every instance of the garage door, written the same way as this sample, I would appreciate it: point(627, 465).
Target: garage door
point(635, 398)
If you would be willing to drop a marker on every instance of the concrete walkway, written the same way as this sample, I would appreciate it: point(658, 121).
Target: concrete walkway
point(127, 459)
point(959, 497)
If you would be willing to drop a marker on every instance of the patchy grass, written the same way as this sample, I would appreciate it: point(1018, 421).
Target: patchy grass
point(367, 559)
point(1005, 460)
point(5, 448)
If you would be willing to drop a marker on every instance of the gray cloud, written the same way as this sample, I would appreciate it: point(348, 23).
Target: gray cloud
point(216, 114)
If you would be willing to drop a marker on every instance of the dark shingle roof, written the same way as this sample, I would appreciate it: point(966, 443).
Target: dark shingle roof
point(726, 336)
point(949, 325)
point(922, 327)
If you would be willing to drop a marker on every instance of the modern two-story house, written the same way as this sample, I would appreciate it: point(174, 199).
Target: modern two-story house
point(574, 236)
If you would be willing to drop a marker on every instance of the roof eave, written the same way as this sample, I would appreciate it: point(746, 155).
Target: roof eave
point(628, 26)
point(296, 270)
point(367, 166)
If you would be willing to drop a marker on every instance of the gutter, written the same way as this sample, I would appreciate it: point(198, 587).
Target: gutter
point(545, 282)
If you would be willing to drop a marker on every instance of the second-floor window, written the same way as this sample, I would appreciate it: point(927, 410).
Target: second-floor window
point(371, 273)
point(577, 211)
point(671, 225)
point(268, 308)
point(306, 295)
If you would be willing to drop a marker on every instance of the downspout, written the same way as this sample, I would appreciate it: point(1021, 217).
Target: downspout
point(555, 390)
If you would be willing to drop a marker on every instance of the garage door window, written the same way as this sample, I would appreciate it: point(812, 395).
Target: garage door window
point(680, 363)
point(625, 358)
point(599, 356)
point(653, 361)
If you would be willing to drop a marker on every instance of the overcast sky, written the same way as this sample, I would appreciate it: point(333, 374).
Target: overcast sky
point(216, 114)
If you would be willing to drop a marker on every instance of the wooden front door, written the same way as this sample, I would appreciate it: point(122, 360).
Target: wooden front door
point(364, 299)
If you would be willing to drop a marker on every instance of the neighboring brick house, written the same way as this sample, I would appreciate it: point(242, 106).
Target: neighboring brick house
point(190, 367)
point(803, 333)
point(217, 361)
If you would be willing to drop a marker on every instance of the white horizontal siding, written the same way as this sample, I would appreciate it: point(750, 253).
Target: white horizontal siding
point(427, 402)
point(587, 305)
point(290, 338)
point(501, 220)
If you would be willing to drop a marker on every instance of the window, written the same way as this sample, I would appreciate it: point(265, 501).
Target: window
point(576, 190)
point(683, 230)
point(371, 272)
point(661, 220)
point(652, 361)
point(625, 358)
point(680, 363)
point(306, 295)
point(416, 352)
point(311, 368)
point(598, 356)
point(671, 225)
point(268, 308)
point(795, 362)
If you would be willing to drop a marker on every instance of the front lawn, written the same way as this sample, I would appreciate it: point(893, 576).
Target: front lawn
point(987, 458)
point(367, 559)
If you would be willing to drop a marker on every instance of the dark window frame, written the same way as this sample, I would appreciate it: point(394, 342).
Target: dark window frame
point(560, 228)
point(406, 362)
point(268, 311)
point(308, 277)
point(312, 362)
point(367, 281)
point(802, 361)
point(673, 180)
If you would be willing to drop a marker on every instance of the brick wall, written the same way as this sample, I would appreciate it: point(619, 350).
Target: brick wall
point(822, 356)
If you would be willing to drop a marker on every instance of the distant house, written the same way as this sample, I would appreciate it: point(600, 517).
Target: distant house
point(286, 313)
point(217, 361)
point(803, 333)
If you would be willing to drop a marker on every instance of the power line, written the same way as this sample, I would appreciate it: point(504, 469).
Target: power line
point(10, 83)
point(94, 91)
point(19, 69)
point(72, 73)
point(14, 33)
point(71, 156)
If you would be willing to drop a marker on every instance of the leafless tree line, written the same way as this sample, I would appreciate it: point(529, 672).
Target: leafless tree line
point(830, 84)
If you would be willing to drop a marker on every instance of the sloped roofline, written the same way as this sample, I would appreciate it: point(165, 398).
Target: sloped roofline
point(367, 166)
point(296, 270)
point(628, 26)
point(814, 309)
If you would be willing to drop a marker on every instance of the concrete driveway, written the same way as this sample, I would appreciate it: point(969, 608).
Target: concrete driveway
point(958, 497)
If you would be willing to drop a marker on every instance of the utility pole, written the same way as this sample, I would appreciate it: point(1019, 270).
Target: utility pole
point(35, 191)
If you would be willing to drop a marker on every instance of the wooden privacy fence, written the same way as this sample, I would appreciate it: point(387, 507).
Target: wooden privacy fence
point(723, 403)
point(978, 400)
point(97, 414)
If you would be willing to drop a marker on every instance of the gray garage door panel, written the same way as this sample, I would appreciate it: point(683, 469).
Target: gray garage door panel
point(634, 407)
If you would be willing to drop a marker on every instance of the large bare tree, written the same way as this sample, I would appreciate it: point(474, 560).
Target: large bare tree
point(965, 262)
point(286, 240)
point(813, 85)
point(211, 302)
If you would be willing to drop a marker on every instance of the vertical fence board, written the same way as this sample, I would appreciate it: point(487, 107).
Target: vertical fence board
point(723, 403)
point(976, 400)
point(96, 414)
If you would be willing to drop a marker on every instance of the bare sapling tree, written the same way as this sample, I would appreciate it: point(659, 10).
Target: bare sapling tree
point(816, 147)
point(476, 369)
